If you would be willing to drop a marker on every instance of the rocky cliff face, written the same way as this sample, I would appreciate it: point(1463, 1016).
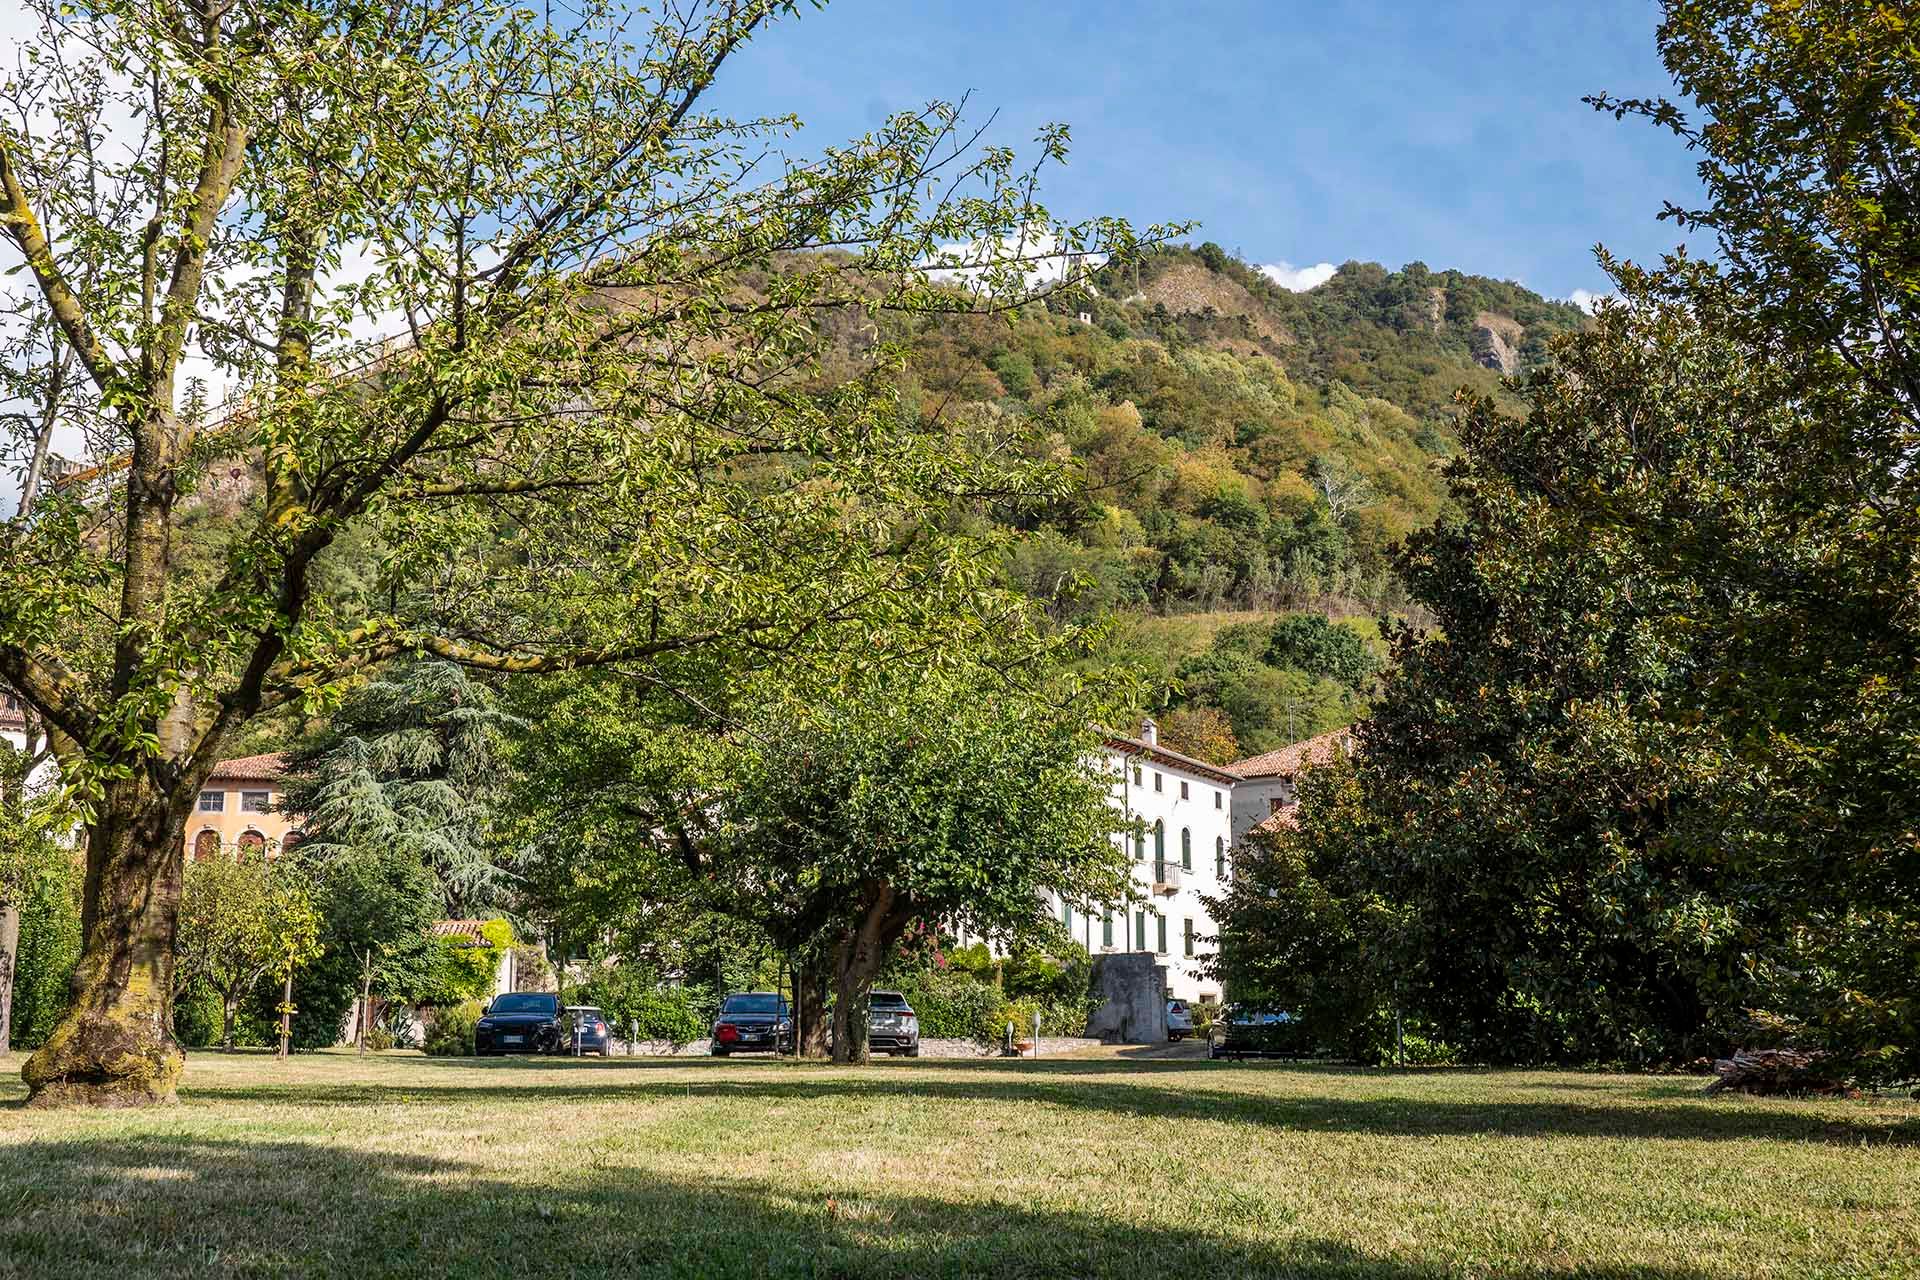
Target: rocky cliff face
point(1496, 342)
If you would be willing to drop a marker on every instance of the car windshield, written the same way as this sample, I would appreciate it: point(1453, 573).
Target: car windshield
point(754, 1004)
point(523, 1002)
point(887, 1000)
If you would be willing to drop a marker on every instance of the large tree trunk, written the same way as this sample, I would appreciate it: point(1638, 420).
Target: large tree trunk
point(226, 1021)
point(856, 963)
point(115, 1047)
point(810, 1010)
point(9, 948)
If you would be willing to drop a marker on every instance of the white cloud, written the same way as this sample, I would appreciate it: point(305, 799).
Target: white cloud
point(1587, 300)
point(1298, 279)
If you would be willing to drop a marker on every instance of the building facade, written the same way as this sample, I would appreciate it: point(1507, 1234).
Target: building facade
point(1268, 785)
point(239, 808)
point(1178, 839)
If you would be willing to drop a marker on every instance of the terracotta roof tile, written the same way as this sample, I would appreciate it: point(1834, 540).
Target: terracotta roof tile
point(466, 930)
point(1289, 760)
point(1285, 818)
point(1170, 758)
point(267, 768)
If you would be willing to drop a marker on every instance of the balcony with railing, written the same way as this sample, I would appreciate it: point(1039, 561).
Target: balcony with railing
point(1166, 877)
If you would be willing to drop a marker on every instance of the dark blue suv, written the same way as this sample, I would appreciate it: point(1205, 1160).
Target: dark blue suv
point(590, 1033)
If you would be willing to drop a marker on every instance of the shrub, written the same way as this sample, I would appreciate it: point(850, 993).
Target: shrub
point(1058, 1017)
point(954, 1005)
point(1067, 1016)
point(638, 1003)
point(450, 1030)
point(49, 949)
point(196, 1019)
point(672, 1014)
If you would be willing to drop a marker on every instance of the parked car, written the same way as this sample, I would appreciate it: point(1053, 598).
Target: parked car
point(892, 1026)
point(522, 1022)
point(589, 1033)
point(752, 1022)
point(1179, 1020)
point(1242, 1031)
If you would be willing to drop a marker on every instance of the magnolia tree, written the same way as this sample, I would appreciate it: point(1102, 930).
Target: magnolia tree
point(513, 341)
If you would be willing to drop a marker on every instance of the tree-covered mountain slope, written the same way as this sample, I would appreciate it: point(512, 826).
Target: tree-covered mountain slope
point(1245, 448)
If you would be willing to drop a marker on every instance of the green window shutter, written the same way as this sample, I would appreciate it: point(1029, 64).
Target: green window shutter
point(1186, 848)
point(1219, 857)
point(1161, 930)
point(1066, 915)
point(1139, 931)
point(1106, 930)
point(1160, 841)
point(1189, 937)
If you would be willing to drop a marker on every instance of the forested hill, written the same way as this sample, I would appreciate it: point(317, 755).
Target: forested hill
point(1247, 448)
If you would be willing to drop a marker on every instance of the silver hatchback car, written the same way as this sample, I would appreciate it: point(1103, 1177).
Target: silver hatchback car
point(1179, 1020)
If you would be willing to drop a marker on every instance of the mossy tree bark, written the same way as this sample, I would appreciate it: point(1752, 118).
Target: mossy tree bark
point(115, 1047)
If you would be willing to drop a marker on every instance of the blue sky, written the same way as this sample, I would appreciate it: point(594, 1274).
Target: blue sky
point(1449, 131)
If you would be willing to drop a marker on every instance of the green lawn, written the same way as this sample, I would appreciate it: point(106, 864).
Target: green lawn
point(1109, 1166)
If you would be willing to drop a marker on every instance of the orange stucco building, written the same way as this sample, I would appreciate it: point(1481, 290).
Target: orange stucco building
point(239, 808)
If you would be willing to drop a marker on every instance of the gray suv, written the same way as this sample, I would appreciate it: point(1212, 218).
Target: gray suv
point(892, 1025)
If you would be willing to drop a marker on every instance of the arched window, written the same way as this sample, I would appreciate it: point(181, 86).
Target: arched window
point(1139, 841)
point(290, 841)
point(1160, 842)
point(252, 843)
point(1186, 848)
point(206, 845)
point(1219, 858)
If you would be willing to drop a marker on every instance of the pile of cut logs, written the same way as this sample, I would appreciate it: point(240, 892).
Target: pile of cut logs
point(1774, 1071)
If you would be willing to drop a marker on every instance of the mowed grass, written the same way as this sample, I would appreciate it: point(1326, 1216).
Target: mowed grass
point(1110, 1166)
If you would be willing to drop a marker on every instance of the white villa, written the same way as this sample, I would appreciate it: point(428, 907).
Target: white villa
point(1179, 836)
point(1185, 819)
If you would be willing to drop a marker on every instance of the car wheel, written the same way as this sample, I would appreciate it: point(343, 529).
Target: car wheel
point(914, 1052)
point(718, 1053)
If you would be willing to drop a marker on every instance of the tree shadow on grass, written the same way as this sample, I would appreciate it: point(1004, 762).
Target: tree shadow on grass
point(1143, 1090)
point(164, 1204)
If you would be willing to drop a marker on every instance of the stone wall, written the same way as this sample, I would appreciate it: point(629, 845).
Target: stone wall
point(1133, 999)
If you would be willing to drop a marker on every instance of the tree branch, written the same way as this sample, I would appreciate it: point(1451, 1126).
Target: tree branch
point(24, 229)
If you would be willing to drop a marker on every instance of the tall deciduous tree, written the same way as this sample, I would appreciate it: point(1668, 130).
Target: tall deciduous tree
point(592, 355)
point(951, 799)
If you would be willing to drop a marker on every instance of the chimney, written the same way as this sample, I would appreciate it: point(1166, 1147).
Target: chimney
point(1149, 732)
